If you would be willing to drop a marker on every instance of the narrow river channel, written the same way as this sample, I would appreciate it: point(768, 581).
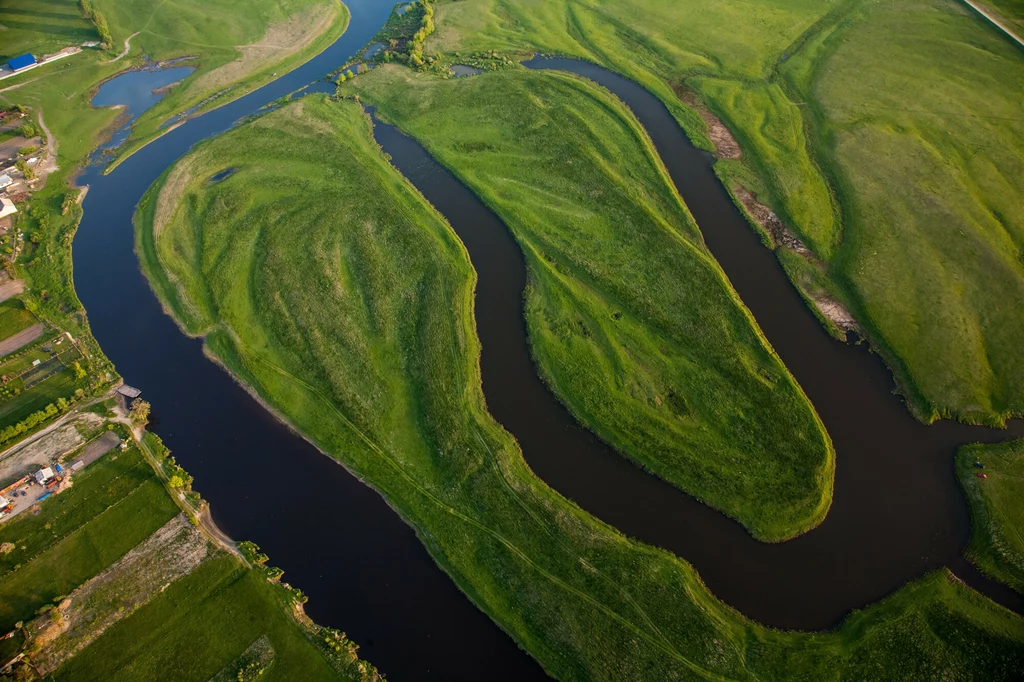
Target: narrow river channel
point(897, 511)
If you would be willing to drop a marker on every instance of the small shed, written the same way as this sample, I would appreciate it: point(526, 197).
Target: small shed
point(43, 475)
point(7, 207)
point(21, 62)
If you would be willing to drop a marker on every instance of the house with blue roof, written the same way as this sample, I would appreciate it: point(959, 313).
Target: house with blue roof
point(21, 62)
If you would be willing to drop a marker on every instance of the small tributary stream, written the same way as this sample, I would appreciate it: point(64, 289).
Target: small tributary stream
point(897, 510)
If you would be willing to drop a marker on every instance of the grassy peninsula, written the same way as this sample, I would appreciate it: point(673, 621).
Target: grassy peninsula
point(886, 135)
point(997, 508)
point(631, 321)
point(324, 281)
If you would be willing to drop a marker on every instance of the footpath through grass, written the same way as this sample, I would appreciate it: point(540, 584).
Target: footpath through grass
point(324, 281)
point(997, 508)
point(889, 136)
point(632, 322)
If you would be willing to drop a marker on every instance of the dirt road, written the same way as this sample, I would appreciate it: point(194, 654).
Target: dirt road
point(25, 336)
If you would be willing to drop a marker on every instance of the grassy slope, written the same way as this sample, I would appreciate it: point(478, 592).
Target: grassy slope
point(631, 321)
point(905, 115)
point(930, 178)
point(41, 27)
point(363, 337)
point(213, 34)
point(997, 509)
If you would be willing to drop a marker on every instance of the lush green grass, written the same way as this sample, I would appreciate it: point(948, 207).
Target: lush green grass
point(925, 137)
point(213, 614)
point(887, 135)
point(288, 33)
point(14, 317)
point(41, 27)
point(83, 553)
point(997, 508)
point(631, 321)
point(346, 302)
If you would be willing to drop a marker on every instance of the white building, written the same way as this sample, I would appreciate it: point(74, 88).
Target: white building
point(7, 207)
point(43, 475)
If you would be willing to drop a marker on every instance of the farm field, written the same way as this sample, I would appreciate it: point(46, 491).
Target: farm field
point(363, 337)
point(997, 509)
point(849, 135)
point(112, 582)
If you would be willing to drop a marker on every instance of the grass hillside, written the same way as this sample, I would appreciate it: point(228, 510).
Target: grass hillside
point(997, 508)
point(236, 45)
point(886, 135)
point(41, 27)
point(324, 281)
point(631, 321)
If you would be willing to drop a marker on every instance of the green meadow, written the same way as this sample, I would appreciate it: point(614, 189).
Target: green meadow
point(322, 279)
point(997, 508)
point(887, 135)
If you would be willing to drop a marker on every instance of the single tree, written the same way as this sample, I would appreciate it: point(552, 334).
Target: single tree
point(139, 412)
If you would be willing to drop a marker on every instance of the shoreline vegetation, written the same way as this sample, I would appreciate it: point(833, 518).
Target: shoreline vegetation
point(384, 375)
point(838, 145)
point(997, 508)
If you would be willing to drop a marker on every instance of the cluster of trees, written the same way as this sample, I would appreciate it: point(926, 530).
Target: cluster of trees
point(99, 21)
point(33, 420)
point(426, 28)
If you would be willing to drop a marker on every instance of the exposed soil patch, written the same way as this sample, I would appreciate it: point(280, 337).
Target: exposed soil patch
point(167, 555)
point(281, 40)
point(828, 307)
point(726, 146)
point(11, 288)
point(771, 223)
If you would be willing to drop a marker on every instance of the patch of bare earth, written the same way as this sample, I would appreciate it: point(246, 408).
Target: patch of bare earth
point(830, 309)
point(30, 455)
point(726, 146)
point(281, 40)
point(170, 553)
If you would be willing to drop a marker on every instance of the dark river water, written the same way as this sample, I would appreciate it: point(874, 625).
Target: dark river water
point(897, 512)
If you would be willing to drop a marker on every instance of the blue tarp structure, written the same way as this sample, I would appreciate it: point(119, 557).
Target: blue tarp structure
point(21, 62)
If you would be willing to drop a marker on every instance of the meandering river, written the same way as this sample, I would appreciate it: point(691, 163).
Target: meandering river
point(897, 511)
